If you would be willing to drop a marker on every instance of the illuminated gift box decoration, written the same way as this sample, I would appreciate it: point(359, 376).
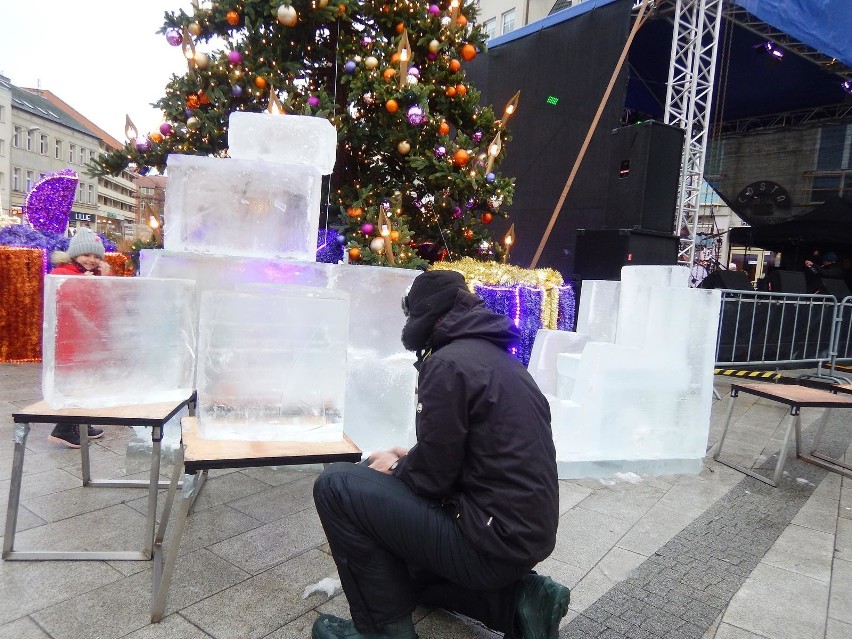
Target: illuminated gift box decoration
point(531, 298)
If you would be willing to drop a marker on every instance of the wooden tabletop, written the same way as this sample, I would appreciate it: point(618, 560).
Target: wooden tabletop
point(843, 388)
point(201, 454)
point(136, 415)
point(795, 395)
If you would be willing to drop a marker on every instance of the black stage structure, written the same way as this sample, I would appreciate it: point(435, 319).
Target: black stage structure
point(562, 65)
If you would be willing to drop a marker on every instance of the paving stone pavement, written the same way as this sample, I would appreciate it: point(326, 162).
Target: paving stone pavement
point(712, 556)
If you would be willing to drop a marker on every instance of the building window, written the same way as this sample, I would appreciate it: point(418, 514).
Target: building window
point(57, 149)
point(2, 150)
point(490, 28)
point(42, 145)
point(29, 140)
point(2, 113)
point(80, 193)
point(82, 155)
point(16, 137)
point(30, 180)
point(508, 21)
point(833, 173)
point(91, 198)
point(72, 151)
point(16, 179)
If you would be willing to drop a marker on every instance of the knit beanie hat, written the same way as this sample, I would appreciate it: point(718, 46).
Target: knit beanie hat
point(431, 296)
point(85, 241)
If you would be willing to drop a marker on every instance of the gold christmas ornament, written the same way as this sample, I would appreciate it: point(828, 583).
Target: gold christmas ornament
point(403, 147)
point(195, 29)
point(371, 62)
point(287, 15)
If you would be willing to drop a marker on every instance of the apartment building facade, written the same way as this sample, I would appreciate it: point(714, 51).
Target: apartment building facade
point(40, 134)
point(499, 17)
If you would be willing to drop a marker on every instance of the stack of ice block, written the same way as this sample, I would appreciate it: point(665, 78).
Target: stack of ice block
point(114, 341)
point(272, 364)
point(264, 201)
point(632, 390)
point(380, 376)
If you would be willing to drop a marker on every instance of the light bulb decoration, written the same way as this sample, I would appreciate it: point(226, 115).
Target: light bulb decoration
point(508, 241)
point(275, 106)
point(188, 48)
point(455, 5)
point(385, 226)
point(404, 52)
point(130, 129)
point(493, 151)
point(510, 109)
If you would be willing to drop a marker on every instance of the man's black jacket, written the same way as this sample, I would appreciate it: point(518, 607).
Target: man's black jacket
point(484, 444)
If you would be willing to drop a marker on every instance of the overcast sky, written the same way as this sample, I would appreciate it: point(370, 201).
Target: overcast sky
point(103, 57)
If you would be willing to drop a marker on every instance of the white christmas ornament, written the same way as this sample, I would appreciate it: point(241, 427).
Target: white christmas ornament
point(377, 245)
point(287, 15)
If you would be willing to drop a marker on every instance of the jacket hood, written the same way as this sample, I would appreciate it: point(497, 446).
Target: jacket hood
point(469, 318)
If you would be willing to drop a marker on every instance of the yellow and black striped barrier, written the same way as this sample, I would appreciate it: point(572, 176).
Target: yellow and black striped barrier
point(770, 376)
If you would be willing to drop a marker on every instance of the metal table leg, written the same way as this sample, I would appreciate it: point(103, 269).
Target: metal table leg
point(20, 436)
point(821, 459)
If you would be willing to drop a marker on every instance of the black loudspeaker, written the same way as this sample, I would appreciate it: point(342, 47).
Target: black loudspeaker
point(644, 169)
point(600, 254)
point(838, 288)
point(732, 280)
point(787, 282)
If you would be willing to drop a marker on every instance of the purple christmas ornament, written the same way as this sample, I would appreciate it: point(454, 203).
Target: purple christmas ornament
point(350, 66)
point(440, 151)
point(431, 56)
point(434, 9)
point(416, 116)
point(313, 101)
point(366, 41)
point(367, 228)
point(489, 177)
point(457, 212)
point(166, 129)
point(470, 203)
point(477, 136)
point(142, 144)
point(174, 37)
point(414, 71)
point(235, 57)
point(236, 90)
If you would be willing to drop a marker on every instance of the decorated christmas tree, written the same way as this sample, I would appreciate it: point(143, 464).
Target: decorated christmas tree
point(416, 175)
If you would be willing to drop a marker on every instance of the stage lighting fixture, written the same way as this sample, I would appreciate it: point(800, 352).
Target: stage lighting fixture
point(847, 86)
point(772, 49)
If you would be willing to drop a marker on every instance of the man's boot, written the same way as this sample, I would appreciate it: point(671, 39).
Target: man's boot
point(330, 627)
point(540, 605)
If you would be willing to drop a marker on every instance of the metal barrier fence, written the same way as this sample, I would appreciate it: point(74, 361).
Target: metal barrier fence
point(782, 329)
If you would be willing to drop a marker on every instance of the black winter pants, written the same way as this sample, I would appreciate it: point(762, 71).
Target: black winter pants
point(394, 550)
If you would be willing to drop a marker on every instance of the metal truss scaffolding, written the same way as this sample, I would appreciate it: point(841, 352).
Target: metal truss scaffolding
point(689, 99)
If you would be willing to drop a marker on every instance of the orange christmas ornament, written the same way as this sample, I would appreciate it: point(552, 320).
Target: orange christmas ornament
point(354, 253)
point(461, 21)
point(394, 57)
point(461, 158)
point(392, 106)
point(450, 91)
point(155, 137)
point(388, 73)
point(468, 234)
point(461, 89)
point(354, 211)
point(232, 18)
point(192, 101)
point(468, 52)
point(486, 217)
point(400, 28)
point(260, 82)
point(455, 65)
point(202, 97)
point(443, 128)
point(394, 236)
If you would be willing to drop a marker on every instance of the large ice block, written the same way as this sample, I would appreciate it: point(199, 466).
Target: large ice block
point(546, 349)
point(292, 139)
point(242, 208)
point(113, 341)
point(381, 379)
point(272, 364)
point(597, 317)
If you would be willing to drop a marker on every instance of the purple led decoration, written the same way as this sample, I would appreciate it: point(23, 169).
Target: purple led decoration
point(329, 246)
point(523, 305)
point(48, 204)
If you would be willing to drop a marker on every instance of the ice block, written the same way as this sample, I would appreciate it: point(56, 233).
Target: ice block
point(242, 208)
point(292, 139)
point(113, 341)
point(272, 364)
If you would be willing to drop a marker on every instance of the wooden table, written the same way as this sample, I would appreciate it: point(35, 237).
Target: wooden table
point(153, 416)
point(796, 397)
point(197, 456)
